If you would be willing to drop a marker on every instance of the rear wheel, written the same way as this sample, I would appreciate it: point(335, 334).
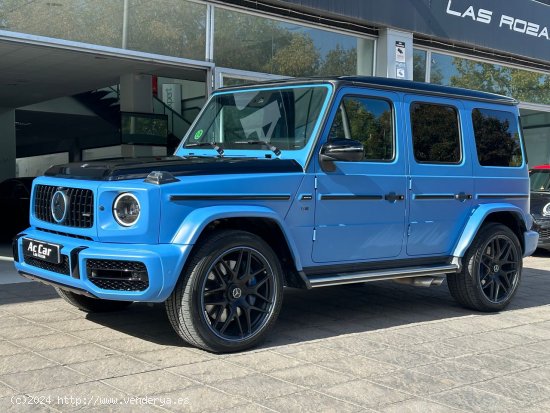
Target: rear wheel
point(92, 305)
point(491, 270)
point(230, 293)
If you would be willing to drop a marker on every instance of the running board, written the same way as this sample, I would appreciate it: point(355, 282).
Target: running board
point(380, 275)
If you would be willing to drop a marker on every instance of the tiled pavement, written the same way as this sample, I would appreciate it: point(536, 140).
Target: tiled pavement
point(374, 347)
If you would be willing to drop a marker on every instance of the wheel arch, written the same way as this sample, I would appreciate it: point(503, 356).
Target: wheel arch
point(261, 221)
point(506, 214)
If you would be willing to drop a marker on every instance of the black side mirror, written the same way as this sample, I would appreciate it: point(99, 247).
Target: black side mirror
point(344, 150)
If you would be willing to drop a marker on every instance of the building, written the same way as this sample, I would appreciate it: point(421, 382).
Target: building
point(86, 79)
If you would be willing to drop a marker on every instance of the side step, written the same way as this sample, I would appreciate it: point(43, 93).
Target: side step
point(380, 275)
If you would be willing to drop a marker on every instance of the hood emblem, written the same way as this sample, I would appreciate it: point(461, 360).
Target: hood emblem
point(59, 206)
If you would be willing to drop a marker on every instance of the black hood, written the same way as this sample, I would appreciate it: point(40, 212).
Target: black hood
point(136, 168)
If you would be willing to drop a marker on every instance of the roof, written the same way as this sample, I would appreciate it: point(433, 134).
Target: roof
point(393, 84)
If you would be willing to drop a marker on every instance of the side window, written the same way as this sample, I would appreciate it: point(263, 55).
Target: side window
point(497, 138)
point(369, 121)
point(436, 138)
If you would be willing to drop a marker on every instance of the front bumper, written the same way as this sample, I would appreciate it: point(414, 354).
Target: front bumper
point(163, 263)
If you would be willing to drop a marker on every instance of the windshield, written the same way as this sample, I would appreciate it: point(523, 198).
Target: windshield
point(271, 118)
point(540, 180)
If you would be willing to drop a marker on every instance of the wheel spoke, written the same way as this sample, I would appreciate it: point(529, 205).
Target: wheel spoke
point(248, 320)
point(237, 318)
point(218, 317)
point(505, 251)
point(230, 318)
point(497, 290)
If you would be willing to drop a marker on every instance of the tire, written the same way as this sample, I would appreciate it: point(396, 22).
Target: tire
point(92, 305)
point(491, 271)
point(229, 294)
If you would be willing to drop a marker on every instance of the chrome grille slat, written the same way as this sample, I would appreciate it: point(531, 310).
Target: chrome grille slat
point(81, 211)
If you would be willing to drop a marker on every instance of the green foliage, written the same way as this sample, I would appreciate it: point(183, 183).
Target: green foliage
point(375, 132)
point(497, 142)
point(435, 133)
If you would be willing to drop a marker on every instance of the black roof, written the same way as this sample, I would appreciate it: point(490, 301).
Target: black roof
point(395, 84)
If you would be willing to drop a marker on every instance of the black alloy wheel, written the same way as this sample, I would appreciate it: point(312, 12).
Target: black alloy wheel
point(238, 294)
point(498, 269)
point(229, 294)
point(491, 270)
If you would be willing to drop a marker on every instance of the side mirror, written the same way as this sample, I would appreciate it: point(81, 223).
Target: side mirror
point(344, 150)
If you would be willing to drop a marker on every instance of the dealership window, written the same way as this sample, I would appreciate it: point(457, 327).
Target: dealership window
point(368, 121)
point(497, 138)
point(523, 85)
point(167, 27)
point(88, 21)
point(436, 138)
point(259, 44)
point(419, 65)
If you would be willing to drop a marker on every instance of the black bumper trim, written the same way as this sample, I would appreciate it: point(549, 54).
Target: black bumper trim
point(56, 284)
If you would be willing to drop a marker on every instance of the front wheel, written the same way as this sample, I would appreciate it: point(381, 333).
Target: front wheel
point(491, 270)
point(229, 294)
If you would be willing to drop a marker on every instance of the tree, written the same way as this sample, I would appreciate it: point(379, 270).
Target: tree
point(298, 58)
point(339, 62)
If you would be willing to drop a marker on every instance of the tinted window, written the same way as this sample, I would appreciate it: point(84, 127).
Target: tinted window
point(368, 121)
point(540, 180)
point(497, 138)
point(435, 133)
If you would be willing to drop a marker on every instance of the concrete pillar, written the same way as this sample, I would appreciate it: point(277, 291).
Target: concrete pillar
point(7, 143)
point(136, 93)
point(394, 54)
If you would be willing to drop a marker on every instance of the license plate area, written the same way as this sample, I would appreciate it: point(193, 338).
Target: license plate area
point(41, 250)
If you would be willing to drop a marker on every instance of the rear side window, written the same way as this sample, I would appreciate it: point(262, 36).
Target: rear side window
point(497, 138)
point(436, 137)
point(369, 121)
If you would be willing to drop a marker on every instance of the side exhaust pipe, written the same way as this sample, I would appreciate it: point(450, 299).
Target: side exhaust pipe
point(421, 281)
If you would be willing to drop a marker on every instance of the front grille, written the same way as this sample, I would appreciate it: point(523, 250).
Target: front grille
point(61, 268)
point(544, 233)
point(64, 234)
point(80, 212)
point(118, 275)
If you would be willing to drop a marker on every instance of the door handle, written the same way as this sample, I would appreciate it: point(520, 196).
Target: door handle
point(461, 196)
point(392, 197)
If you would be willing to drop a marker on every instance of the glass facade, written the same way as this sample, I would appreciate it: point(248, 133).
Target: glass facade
point(259, 44)
point(523, 85)
point(168, 27)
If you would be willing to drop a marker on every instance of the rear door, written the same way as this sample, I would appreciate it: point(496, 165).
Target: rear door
point(360, 206)
point(441, 184)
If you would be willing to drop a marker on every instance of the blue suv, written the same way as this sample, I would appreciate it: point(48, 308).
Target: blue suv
point(304, 183)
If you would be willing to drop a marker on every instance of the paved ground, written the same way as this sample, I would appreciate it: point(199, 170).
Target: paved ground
point(374, 347)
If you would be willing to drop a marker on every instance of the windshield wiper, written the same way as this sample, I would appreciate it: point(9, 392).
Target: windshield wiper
point(271, 147)
point(213, 145)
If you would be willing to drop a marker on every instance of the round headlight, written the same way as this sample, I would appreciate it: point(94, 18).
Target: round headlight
point(126, 209)
point(546, 210)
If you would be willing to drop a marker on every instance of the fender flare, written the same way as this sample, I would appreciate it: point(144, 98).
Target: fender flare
point(476, 220)
point(197, 220)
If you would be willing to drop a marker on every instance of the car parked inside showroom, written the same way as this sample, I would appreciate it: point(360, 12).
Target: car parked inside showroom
point(540, 203)
point(303, 183)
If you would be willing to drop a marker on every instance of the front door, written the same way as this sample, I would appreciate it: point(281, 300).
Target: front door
point(441, 186)
point(360, 206)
